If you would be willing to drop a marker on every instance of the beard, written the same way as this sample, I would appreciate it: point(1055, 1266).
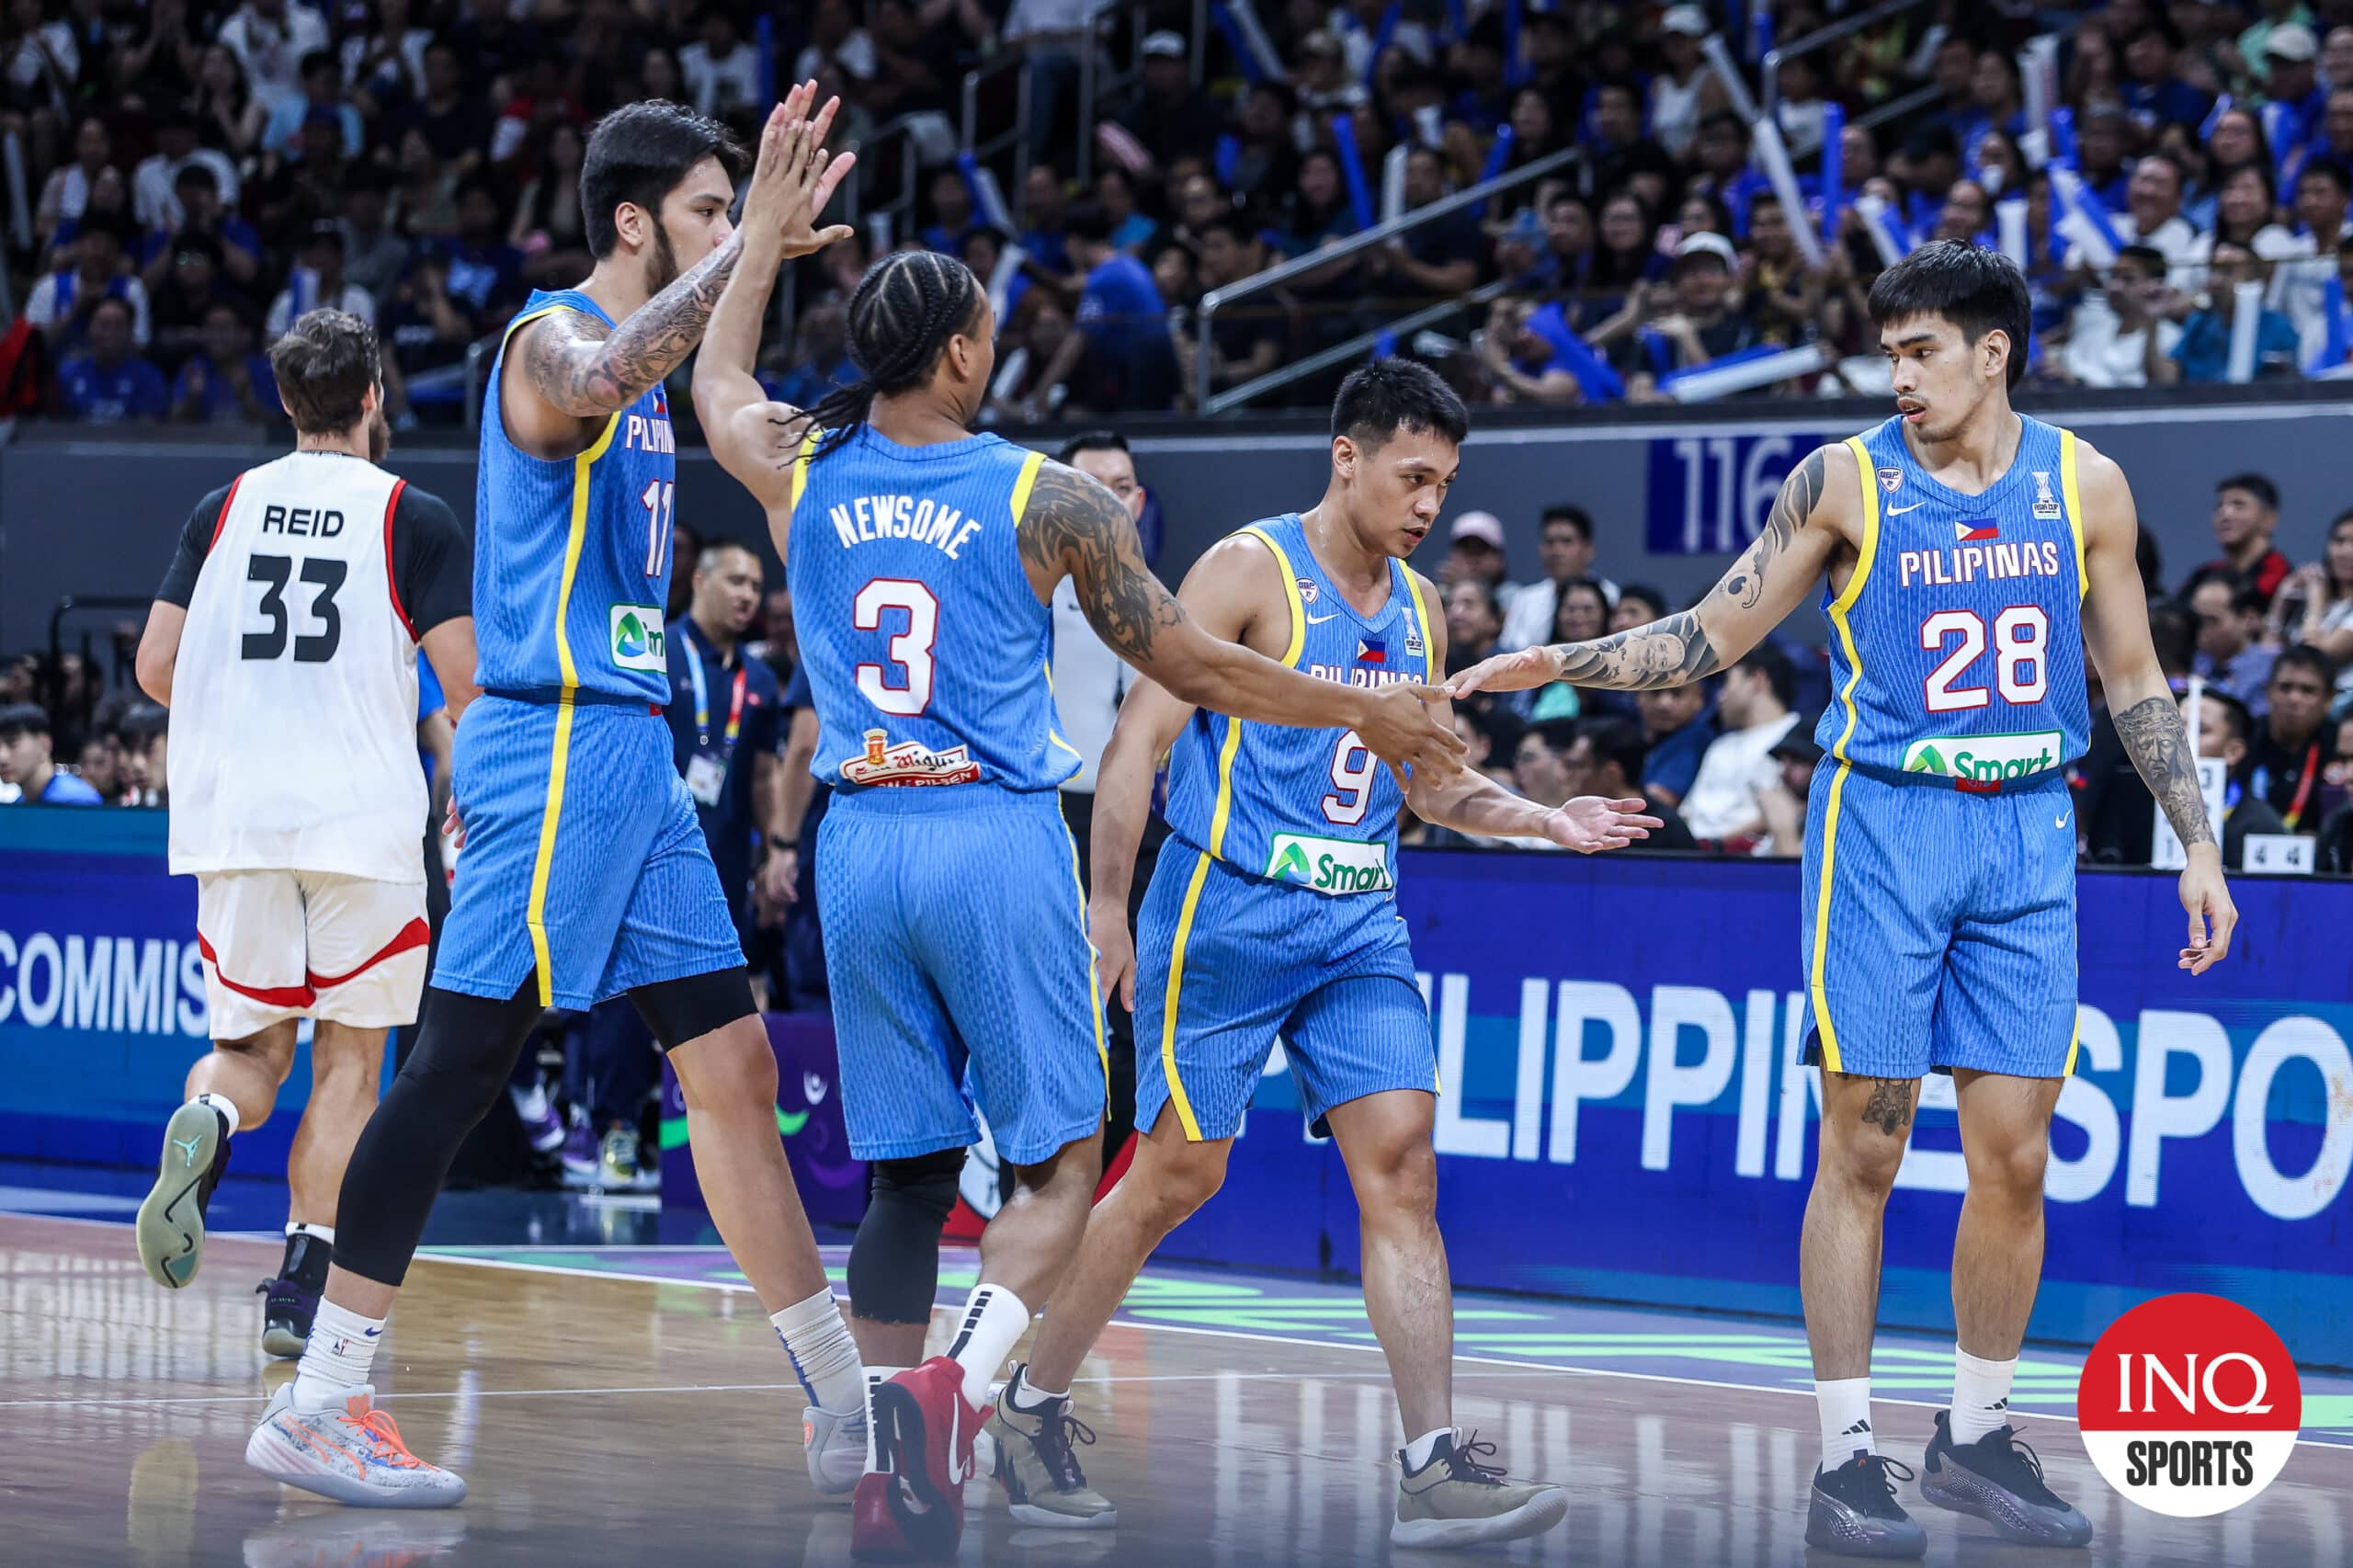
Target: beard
point(380, 434)
point(661, 263)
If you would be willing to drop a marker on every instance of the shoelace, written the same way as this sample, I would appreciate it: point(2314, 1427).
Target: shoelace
point(1461, 1466)
point(2027, 1460)
point(1881, 1467)
point(1054, 1447)
point(386, 1445)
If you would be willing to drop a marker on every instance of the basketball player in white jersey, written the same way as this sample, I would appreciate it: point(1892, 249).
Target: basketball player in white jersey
point(285, 639)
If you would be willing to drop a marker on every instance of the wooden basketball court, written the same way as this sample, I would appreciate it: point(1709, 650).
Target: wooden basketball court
point(616, 1422)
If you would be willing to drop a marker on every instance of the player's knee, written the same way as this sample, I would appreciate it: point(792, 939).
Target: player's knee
point(270, 1052)
point(894, 1264)
point(449, 1083)
point(1402, 1180)
point(1183, 1183)
point(2011, 1174)
point(734, 1068)
point(1867, 1161)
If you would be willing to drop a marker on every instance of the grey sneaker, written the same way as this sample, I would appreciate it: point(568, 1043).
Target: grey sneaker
point(2000, 1479)
point(1036, 1460)
point(1854, 1513)
point(1454, 1500)
point(170, 1228)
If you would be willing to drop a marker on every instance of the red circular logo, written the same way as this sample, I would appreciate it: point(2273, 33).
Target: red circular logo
point(2189, 1404)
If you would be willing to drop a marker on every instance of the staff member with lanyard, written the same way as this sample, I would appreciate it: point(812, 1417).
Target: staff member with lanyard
point(724, 717)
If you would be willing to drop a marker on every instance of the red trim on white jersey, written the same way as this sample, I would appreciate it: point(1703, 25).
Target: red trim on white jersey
point(392, 579)
point(223, 520)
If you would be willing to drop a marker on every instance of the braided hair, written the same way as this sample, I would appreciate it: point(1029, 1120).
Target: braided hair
point(906, 307)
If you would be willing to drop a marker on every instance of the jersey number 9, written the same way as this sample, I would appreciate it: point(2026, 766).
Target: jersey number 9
point(1352, 769)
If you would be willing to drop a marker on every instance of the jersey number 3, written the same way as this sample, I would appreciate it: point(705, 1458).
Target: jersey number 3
point(903, 686)
point(325, 577)
point(2019, 668)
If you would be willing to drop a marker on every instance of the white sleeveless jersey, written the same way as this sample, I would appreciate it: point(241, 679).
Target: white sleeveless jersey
point(293, 738)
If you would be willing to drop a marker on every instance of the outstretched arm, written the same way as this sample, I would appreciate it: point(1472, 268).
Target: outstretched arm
point(1149, 722)
point(1076, 527)
point(584, 369)
point(1800, 540)
point(2116, 630)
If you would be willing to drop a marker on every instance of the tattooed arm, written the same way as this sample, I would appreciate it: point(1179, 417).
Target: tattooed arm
point(2116, 631)
point(1813, 516)
point(1074, 527)
point(574, 368)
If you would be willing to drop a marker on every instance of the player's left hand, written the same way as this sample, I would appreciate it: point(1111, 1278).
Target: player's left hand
point(780, 879)
point(1590, 823)
point(452, 828)
point(2212, 916)
point(1506, 672)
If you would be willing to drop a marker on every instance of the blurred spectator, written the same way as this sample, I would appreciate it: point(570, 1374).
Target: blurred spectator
point(228, 380)
point(1678, 731)
point(1619, 154)
point(951, 210)
point(236, 247)
point(1120, 350)
point(2151, 214)
point(2295, 744)
point(485, 272)
point(2154, 94)
point(721, 73)
point(2223, 726)
point(25, 764)
point(375, 258)
point(2230, 618)
point(1565, 552)
point(425, 200)
point(384, 59)
point(2116, 336)
point(2314, 605)
point(64, 303)
point(1607, 759)
point(1581, 616)
point(2202, 356)
point(1265, 162)
point(318, 283)
point(154, 191)
point(2246, 516)
point(67, 191)
point(426, 328)
point(821, 361)
point(1473, 619)
point(176, 316)
point(1699, 323)
point(453, 122)
point(1169, 115)
point(229, 114)
point(1524, 365)
point(548, 227)
point(270, 39)
point(1475, 552)
point(1754, 703)
point(1794, 758)
point(322, 95)
point(1638, 605)
point(835, 43)
point(1686, 88)
point(1540, 768)
point(1247, 340)
point(107, 382)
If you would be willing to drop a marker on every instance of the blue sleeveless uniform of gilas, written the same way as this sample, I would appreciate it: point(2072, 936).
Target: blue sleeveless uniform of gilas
point(1938, 927)
point(1272, 910)
point(956, 946)
point(582, 864)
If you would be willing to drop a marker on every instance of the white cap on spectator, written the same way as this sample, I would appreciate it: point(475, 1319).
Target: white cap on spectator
point(1485, 526)
point(1712, 244)
point(1165, 43)
point(2292, 40)
point(1692, 21)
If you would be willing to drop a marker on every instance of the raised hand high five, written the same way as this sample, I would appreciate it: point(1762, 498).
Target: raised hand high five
point(793, 180)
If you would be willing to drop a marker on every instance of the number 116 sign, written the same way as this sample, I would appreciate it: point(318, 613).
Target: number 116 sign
point(1711, 495)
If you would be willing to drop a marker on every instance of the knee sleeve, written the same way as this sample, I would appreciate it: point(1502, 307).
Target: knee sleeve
point(464, 1052)
point(894, 1263)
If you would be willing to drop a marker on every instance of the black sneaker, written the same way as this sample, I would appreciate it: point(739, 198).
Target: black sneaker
point(1854, 1513)
point(293, 1296)
point(2000, 1479)
point(170, 1226)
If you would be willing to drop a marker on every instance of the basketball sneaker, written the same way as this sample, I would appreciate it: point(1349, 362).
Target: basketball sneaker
point(874, 1532)
point(923, 1448)
point(581, 1155)
point(537, 1114)
point(170, 1228)
point(1454, 1500)
point(1853, 1511)
point(354, 1455)
point(293, 1296)
point(2000, 1479)
point(834, 1442)
point(1034, 1459)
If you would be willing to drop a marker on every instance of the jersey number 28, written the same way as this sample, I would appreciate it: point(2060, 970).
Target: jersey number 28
point(2019, 666)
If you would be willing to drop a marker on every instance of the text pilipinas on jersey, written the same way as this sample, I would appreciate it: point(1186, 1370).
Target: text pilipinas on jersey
point(1979, 563)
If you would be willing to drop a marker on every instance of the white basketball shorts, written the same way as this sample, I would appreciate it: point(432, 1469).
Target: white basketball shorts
point(310, 945)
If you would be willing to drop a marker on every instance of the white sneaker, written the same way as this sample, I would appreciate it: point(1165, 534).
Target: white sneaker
point(834, 1442)
point(354, 1455)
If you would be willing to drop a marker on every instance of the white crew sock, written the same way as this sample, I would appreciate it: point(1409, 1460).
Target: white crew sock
point(1027, 1397)
point(319, 1233)
point(1845, 1407)
point(337, 1359)
point(993, 1322)
point(1418, 1452)
point(875, 1378)
point(824, 1356)
point(225, 1106)
point(1981, 1395)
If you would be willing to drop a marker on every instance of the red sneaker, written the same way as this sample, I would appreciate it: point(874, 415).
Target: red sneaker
point(922, 1445)
point(874, 1532)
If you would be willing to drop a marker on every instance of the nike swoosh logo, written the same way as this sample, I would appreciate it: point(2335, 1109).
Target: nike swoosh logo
point(2062, 819)
point(1320, 620)
point(1899, 511)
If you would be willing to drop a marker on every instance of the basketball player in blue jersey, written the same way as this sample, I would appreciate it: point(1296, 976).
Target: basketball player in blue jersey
point(1973, 556)
point(924, 562)
point(585, 874)
point(1272, 911)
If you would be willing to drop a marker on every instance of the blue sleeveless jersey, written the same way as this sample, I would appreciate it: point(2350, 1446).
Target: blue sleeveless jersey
point(572, 557)
point(1957, 644)
point(927, 648)
point(1311, 807)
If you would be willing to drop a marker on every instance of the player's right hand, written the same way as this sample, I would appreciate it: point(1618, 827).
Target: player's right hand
point(452, 828)
point(1400, 728)
point(1506, 672)
point(1115, 954)
point(793, 180)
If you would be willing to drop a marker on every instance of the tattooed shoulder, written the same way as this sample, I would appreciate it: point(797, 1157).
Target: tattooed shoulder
point(557, 355)
point(1073, 524)
point(1801, 494)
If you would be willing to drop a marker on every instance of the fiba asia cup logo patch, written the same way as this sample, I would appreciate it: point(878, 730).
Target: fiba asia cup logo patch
point(2189, 1405)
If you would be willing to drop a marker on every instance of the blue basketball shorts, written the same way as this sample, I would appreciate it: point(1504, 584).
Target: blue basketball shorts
point(583, 863)
point(1226, 963)
point(957, 954)
point(1939, 927)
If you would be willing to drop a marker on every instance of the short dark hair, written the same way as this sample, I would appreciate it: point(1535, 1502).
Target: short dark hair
point(325, 364)
point(1088, 220)
point(2259, 485)
point(2149, 256)
point(2304, 656)
point(1091, 441)
point(1568, 512)
point(1234, 225)
point(2245, 597)
point(1615, 738)
point(639, 154)
point(1559, 734)
point(316, 60)
point(1644, 592)
point(2231, 708)
point(1387, 395)
point(1978, 291)
point(2174, 633)
point(2329, 169)
point(900, 317)
point(1768, 659)
point(192, 175)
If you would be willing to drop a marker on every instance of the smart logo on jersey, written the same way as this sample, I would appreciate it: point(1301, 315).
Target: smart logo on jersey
point(1984, 760)
point(2189, 1405)
point(636, 642)
point(1329, 865)
point(1976, 530)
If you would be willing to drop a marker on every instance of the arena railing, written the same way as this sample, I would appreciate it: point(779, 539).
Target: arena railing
point(1769, 70)
point(1209, 401)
